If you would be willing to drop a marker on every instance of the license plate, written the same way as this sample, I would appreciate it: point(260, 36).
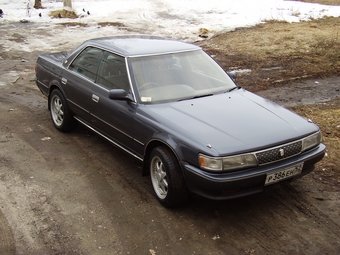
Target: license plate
point(283, 174)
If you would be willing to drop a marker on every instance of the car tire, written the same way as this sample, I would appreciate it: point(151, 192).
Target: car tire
point(61, 116)
point(167, 179)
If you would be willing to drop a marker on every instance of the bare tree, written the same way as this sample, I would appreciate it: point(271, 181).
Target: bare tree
point(68, 4)
point(37, 4)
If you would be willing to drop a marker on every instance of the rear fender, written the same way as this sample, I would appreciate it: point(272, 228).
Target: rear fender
point(54, 85)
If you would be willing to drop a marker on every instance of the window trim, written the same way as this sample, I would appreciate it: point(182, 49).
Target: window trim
point(69, 62)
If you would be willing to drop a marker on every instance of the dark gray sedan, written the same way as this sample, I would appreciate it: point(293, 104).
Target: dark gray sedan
point(172, 107)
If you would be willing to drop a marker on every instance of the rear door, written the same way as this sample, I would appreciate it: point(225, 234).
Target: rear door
point(78, 80)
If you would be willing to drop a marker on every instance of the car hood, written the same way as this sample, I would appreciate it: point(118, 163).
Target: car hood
point(233, 122)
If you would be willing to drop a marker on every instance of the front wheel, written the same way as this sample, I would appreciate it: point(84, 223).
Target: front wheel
point(60, 114)
point(166, 177)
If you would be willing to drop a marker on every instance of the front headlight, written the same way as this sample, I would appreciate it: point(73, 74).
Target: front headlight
point(311, 141)
point(227, 163)
point(239, 162)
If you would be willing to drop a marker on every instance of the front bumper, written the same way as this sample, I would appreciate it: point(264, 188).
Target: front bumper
point(245, 182)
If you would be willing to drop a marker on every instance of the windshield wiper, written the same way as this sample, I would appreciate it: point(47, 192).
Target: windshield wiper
point(194, 97)
point(237, 87)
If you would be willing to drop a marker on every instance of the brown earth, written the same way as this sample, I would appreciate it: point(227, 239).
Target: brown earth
point(76, 194)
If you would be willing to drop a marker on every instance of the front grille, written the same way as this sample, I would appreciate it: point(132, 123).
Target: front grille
point(279, 153)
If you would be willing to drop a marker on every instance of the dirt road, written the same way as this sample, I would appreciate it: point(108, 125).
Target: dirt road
point(76, 194)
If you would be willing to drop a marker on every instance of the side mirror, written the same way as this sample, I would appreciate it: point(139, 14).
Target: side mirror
point(232, 75)
point(119, 94)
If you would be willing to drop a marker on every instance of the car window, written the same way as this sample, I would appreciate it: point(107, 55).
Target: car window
point(178, 76)
point(87, 62)
point(204, 65)
point(112, 73)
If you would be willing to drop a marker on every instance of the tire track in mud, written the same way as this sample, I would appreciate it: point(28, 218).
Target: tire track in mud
point(281, 221)
point(46, 218)
point(295, 225)
point(306, 207)
point(7, 241)
point(27, 205)
point(305, 204)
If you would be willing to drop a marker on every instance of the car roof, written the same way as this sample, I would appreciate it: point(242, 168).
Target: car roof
point(140, 45)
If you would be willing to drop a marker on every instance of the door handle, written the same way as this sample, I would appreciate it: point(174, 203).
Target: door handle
point(95, 98)
point(63, 81)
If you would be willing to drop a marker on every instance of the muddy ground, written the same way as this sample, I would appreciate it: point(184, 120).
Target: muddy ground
point(76, 194)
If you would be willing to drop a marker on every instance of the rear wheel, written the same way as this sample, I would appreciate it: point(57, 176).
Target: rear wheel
point(60, 114)
point(166, 177)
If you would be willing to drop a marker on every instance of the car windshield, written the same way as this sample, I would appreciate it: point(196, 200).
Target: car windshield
point(178, 76)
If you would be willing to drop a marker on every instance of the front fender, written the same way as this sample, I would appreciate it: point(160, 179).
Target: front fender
point(178, 148)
